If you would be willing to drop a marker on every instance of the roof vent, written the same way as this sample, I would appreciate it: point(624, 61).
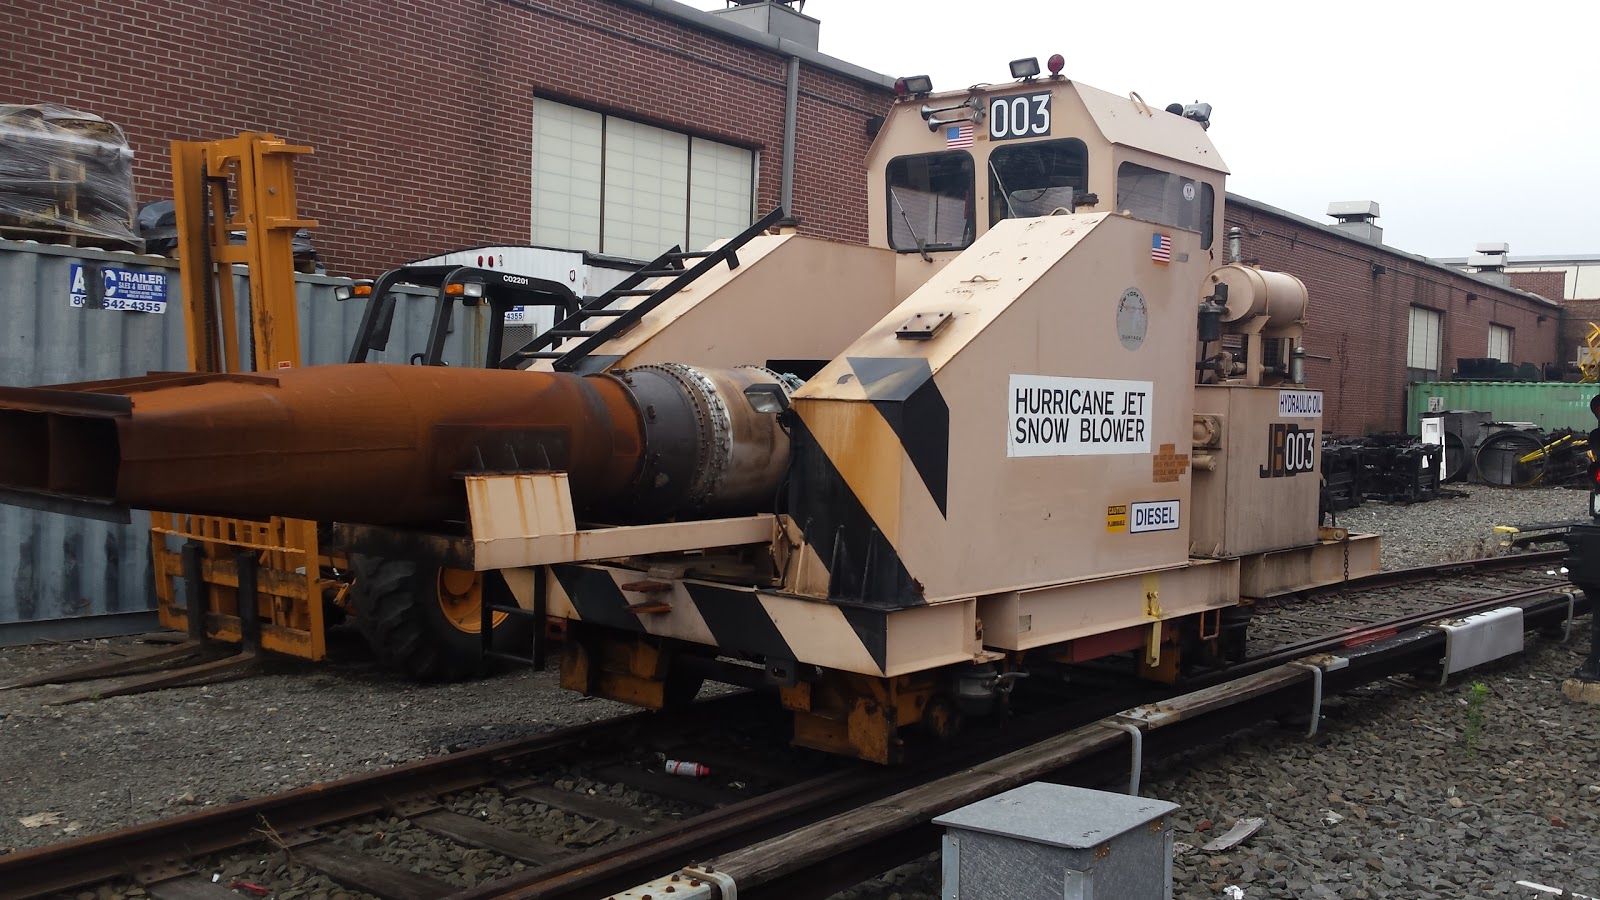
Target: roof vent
point(1490, 261)
point(779, 18)
point(1357, 218)
point(1490, 257)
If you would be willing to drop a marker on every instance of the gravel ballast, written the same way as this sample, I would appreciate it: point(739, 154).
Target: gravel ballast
point(1389, 800)
point(1459, 527)
point(104, 764)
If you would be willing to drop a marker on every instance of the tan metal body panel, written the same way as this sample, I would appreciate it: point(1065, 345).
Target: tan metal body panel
point(1130, 123)
point(927, 637)
point(1323, 563)
point(912, 271)
point(791, 297)
point(814, 632)
point(1037, 297)
point(1239, 510)
point(1022, 620)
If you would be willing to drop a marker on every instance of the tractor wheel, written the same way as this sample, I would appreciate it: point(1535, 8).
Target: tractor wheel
point(424, 620)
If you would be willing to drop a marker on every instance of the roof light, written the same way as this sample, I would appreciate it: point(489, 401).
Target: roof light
point(913, 84)
point(342, 292)
point(472, 289)
point(454, 289)
point(1056, 63)
point(361, 289)
point(1025, 68)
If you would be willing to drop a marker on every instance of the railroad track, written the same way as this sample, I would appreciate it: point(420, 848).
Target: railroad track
point(590, 811)
point(1361, 603)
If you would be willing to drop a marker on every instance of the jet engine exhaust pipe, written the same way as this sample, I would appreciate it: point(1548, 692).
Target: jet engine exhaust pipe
point(388, 445)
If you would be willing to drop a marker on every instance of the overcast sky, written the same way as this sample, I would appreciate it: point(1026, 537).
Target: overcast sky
point(1466, 121)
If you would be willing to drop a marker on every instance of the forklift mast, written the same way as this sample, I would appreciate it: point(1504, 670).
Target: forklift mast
point(241, 184)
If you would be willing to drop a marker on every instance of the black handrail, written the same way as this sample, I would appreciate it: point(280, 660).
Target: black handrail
point(725, 253)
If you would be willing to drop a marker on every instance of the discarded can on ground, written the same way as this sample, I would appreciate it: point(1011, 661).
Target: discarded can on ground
point(691, 769)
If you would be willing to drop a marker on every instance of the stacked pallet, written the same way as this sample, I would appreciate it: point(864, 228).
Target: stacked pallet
point(1394, 468)
point(66, 177)
point(1400, 468)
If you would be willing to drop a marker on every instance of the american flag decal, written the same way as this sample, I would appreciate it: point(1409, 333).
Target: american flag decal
point(1160, 249)
point(957, 136)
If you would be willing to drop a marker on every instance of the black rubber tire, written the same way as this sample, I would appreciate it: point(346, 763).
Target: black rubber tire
point(397, 609)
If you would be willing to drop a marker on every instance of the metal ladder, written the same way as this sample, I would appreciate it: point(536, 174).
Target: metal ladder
point(623, 318)
point(488, 609)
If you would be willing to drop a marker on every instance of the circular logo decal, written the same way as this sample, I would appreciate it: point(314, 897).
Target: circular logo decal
point(1188, 190)
point(1132, 319)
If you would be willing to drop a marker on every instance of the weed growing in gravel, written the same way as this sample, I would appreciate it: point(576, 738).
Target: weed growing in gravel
point(1476, 696)
point(1481, 548)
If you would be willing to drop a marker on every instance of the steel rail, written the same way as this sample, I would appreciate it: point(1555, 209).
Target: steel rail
point(149, 847)
point(1362, 634)
point(1433, 572)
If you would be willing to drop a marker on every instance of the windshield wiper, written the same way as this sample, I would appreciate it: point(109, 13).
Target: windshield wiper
point(1010, 210)
point(921, 247)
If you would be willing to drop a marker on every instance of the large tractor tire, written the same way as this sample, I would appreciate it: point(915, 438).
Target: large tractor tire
point(424, 620)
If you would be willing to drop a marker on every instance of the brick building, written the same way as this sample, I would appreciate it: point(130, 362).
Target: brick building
point(422, 114)
point(1381, 318)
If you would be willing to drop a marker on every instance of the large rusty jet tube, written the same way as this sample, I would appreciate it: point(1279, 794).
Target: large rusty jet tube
point(387, 444)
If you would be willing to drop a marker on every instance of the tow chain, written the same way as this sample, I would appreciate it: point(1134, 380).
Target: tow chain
point(1333, 520)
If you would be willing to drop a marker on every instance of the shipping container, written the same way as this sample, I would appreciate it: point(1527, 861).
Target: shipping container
point(1550, 405)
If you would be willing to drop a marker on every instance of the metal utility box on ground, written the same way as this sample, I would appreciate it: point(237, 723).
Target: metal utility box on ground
point(1054, 841)
point(1464, 430)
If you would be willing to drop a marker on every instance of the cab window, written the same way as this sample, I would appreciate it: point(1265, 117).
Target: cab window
point(1036, 179)
point(1166, 198)
point(930, 202)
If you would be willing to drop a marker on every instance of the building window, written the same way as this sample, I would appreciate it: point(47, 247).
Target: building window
point(624, 188)
point(1167, 199)
point(1036, 179)
point(1500, 342)
point(930, 202)
point(1422, 351)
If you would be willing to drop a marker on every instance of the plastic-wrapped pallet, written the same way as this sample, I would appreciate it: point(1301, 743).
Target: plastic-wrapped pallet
point(65, 177)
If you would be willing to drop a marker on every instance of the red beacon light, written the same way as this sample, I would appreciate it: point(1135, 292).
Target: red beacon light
point(1055, 64)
